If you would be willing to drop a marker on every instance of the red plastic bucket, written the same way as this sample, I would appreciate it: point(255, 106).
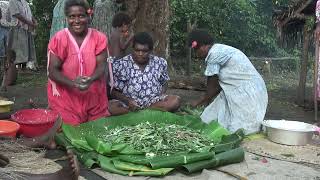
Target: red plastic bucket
point(34, 122)
point(8, 128)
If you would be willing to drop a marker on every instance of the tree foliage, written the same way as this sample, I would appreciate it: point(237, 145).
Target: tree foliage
point(244, 24)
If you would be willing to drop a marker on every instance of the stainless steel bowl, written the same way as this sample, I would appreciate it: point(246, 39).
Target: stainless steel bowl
point(289, 132)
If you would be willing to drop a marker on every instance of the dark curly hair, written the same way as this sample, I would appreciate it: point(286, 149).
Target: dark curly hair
point(143, 38)
point(202, 37)
point(120, 19)
point(70, 3)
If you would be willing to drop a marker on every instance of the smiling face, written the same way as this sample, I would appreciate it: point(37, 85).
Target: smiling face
point(141, 53)
point(77, 20)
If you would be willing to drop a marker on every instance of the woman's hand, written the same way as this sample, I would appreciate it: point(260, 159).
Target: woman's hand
point(133, 105)
point(83, 82)
point(194, 104)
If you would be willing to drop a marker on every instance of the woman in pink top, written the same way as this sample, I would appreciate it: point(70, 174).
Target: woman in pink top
point(76, 64)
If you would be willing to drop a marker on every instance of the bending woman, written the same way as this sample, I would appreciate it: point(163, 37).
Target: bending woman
point(76, 64)
point(236, 93)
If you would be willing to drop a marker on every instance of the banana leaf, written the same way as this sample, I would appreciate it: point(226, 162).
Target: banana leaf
point(178, 160)
point(87, 158)
point(136, 159)
point(98, 145)
point(126, 166)
point(158, 172)
point(107, 165)
point(61, 141)
point(87, 139)
point(225, 158)
point(140, 169)
point(76, 135)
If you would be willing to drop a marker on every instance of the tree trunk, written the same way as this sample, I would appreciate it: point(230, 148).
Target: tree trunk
point(304, 66)
point(189, 55)
point(151, 16)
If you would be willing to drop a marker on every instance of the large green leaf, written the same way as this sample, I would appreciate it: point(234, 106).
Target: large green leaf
point(87, 141)
point(174, 161)
point(228, 157)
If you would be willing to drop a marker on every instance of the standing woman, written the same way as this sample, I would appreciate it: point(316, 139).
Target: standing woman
point(20, 37)
point(76, 64)
point(58, 18)
point(235, 90)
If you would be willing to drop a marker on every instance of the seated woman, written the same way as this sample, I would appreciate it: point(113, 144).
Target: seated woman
point(76, 64)
point(140, 79)
point(236, 91)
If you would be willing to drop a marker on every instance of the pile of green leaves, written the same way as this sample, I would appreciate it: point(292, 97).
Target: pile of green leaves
point(160, 138)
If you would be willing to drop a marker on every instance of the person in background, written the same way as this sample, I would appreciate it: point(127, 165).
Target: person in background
point(10, 73)
point(236, 93)
point(76, 65)
point(58, 18)
point(120, 37)
point(3, 49)
point(140, 79)
point(3, 40)
point(104, 10)
point(20, 38)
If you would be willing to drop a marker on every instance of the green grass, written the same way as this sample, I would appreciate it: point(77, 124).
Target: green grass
point(32, 80)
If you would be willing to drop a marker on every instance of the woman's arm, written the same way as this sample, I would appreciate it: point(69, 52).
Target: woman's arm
point(213, 89)
point(125, 42)
point(24, 20)
point(55, 72)
point(100, 67)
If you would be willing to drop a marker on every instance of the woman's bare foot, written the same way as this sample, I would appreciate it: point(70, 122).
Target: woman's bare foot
point(4, 161)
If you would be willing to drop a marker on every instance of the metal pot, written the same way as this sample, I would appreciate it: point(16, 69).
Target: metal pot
point(289, 132)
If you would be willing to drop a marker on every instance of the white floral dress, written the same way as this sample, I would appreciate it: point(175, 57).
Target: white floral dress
point(242, 103)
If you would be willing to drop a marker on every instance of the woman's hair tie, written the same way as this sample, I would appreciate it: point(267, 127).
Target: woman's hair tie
point(194, 44)
point(90, 11)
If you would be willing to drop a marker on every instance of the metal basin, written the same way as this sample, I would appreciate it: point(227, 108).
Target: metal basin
point(289, 132)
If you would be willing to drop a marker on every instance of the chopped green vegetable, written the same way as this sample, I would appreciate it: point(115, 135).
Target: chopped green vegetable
point(160, 139)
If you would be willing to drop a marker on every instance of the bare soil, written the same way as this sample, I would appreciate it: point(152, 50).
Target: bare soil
point(32, 87)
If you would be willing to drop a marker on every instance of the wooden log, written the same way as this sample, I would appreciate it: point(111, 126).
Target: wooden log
point(304, 66)
point(316, 66)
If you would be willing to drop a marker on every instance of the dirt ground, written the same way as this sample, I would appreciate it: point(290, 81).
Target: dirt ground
point(32, 87)
point(282, 94)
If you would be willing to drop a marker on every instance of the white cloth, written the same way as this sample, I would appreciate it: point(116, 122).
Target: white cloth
point(242, 103)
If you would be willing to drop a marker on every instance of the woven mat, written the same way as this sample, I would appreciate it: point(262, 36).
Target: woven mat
point(298, 154)
point(24, 159)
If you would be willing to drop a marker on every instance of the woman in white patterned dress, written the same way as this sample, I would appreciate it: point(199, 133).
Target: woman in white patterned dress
point(235, 90)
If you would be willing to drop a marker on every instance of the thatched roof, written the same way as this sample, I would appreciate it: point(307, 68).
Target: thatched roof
point(290, 20)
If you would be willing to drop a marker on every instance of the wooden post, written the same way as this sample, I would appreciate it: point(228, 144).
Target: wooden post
point(304, 65)
point(316, 67)
point(189, 58)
